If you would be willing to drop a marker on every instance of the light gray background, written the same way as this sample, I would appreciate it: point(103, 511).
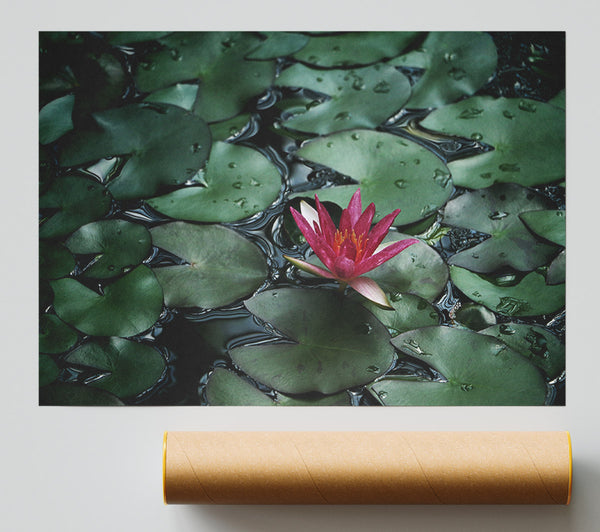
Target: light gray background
point(99, 469)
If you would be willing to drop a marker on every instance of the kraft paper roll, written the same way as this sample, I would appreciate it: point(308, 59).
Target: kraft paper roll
point(367, 468)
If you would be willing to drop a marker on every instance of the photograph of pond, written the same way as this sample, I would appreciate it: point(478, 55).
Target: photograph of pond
point(309, 218)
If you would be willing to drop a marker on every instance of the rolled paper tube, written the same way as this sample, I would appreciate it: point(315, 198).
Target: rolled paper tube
point(367, 467)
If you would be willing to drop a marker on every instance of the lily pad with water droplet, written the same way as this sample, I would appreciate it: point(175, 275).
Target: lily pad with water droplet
point(550, 225)
point(217, 59)
point(117, 244)
point(331, 343)
point(530, 297)
point(496, 211)
point(55, 335)
point(456, 64)
point(278, 44)
point(55, 119)
point(74, 201)
point(67, 394)
point(418, 270)
point(181, 94)
point(479, 370)
point(475, 317)
point(354, 49)
point(542, 348)
point(48, 370)
point(222, 266)
point(129, 306)
point(230, 128)
point(165, 145)
point(558, 269)
point(55, 260)
point(127, 368)
point(528, 138)
point(238, 182)
point(410, 312)
point(392, 172)
point(359, 98)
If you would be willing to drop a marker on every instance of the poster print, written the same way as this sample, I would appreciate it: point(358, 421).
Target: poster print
point(271, 218)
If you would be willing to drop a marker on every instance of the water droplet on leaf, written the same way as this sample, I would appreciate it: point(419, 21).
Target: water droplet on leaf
point(498, 215)
point(457, 73)
point(342, 116)
point(528, 107)
point(509, 167)
point(471, 112)
point(383, 87)
point(506, 329)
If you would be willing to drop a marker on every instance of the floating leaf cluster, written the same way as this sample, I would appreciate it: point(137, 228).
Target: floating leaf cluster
point(168, 166)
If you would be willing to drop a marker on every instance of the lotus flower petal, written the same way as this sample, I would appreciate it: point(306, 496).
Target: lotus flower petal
point(371, 290)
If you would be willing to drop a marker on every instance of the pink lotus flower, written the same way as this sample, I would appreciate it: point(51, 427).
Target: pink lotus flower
point(351, 250)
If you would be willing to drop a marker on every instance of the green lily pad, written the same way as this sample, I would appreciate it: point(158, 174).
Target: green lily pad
point(456, 64)
point(225, 388)
point(410, 312)
point(227, 79)
point(129, 368)
point(55, 119)
point(530, 297)
point(118, 246)
point(238, 182)
point(550, 225)
point(558, 269)
point(560, 100)
point(129, 306)
point(337, 399)
point(391, 172)
point(538, 345)
point(528, 138)
point(166, 146)
point(182, 95)
point(278, 44)
point(55, 335)
point(475, 317)
point(496, 211)
point(418, 270)
point(48, 370)
point(101, 83)
point(230, 128)
point(332, 342)
point(55, 260)
point(66, 394)
point(223, 266)
point(360, 98)
point(356, 48)
point(480, 371)
point(76, 200)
